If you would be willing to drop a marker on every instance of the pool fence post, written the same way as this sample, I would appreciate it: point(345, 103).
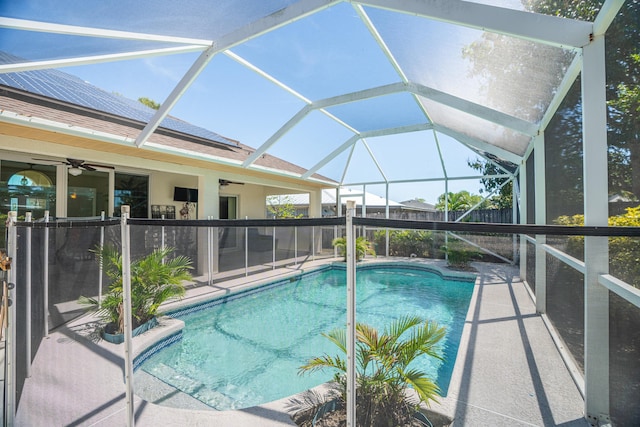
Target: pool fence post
point(209, 252)
point(27, 262)
point(313, 243)
point(273, 243)
point(10, 340)
point(295, 246)
point(351, 316)
point(162, 236)
point(246, 250)
point(126, 302)
point(45, 275)
point(102, 217)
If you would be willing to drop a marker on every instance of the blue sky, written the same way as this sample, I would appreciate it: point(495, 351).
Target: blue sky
point(235, 102)
point(262, 115)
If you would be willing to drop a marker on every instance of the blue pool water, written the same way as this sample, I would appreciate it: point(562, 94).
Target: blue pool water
point(245, 351)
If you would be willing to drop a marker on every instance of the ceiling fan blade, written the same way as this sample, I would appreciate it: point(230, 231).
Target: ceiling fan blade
point(74, 163)
point(225, 182)
point(93, 165)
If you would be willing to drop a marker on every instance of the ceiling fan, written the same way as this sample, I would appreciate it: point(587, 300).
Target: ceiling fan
point(225, 182)
point(76, 166)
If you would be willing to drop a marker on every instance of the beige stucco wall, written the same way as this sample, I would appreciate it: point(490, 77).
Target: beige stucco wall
point(163, 177)
point(251, 199)
point(162, 184)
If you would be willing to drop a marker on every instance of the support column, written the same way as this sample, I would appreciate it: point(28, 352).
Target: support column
point(315, 204)
point(386, 216)
point(596, 249)
point(62, 191)
point(523, 217)
point(315, 211)
point(208, 207)
point(514, 217)
point(541, 219)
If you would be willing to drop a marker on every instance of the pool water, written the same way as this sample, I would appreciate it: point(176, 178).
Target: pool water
point(247, 351)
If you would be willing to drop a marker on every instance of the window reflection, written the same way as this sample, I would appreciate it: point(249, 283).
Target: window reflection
point(132, 190)
point(88, 194)
point(27, 187)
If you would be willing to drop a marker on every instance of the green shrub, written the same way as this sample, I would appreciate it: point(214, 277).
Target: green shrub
point(460, 255)
point(624, 252)
point(406, 242)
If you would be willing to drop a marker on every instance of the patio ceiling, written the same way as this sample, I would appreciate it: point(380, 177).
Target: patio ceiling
point(490, 76)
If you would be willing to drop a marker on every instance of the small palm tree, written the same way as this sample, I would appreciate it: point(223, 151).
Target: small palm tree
point(363, 247)
point(155, 279)
point(383, 369)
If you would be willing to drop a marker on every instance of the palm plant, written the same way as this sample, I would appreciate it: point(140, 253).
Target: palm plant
point(383, 369)
point(363, 247)
point(155, 279)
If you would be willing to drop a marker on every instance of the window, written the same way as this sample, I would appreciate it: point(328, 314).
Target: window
point(88, 194)
point(132, 190)
point(26, 187)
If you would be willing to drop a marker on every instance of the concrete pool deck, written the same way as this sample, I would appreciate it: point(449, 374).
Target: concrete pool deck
point(508, 371)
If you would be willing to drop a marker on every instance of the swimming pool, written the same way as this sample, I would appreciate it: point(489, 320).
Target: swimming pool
point(245, 350)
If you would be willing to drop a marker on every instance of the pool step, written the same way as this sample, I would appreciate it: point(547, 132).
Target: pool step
point(192, 387)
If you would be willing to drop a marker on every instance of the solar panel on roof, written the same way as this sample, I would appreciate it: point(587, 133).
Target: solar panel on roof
point(65, 87)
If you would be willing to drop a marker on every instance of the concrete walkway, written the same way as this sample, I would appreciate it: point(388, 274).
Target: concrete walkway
point(508, 372)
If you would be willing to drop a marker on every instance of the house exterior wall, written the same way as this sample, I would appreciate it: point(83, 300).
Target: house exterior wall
point(162, 184)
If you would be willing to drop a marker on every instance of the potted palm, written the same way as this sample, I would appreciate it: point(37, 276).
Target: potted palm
point(363, 247)
point(383, 372)
point(155, 279)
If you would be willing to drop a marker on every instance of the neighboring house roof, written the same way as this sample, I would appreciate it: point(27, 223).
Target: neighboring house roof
point(415, 204)
point(329, 198)
point(617, 198)
point(57, 97)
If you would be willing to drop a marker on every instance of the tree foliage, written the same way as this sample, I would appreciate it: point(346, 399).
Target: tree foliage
point(282, 207)
point(149, 103)
point(504, 195)
point(496, 58)
point(460, 201)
